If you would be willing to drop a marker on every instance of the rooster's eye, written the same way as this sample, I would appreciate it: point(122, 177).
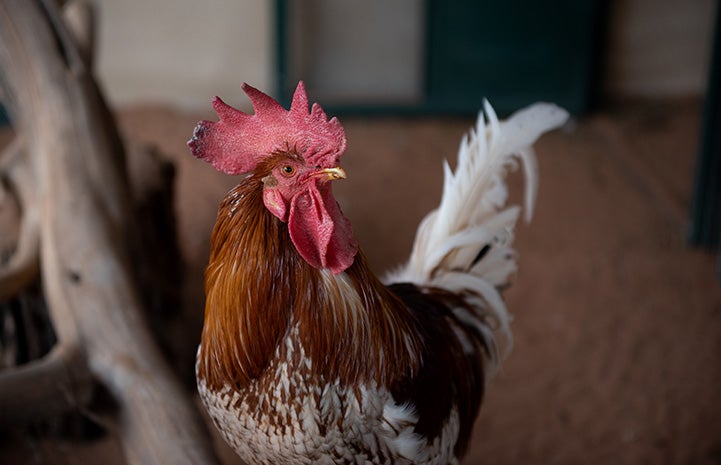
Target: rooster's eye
point(288, 170)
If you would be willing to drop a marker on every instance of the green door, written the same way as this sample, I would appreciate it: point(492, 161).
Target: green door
point(512, 52)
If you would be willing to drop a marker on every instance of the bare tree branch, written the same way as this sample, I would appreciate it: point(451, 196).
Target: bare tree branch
point(21, 269)
point(79, 17)
point(86, 231)
point(44, 388)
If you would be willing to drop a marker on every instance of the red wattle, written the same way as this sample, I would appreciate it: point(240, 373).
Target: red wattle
point(319, 231)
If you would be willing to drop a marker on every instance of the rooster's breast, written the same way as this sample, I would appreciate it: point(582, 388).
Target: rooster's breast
point(291, 415)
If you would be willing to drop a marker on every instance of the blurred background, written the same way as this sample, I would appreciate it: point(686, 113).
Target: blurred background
point(617, 304)
point(406, 52)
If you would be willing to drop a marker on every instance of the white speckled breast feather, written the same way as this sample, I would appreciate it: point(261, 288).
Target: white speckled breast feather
point(289, 416)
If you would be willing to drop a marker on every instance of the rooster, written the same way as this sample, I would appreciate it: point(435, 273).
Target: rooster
point(305, 355)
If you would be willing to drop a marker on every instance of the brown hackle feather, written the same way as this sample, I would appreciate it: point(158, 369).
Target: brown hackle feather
point(256, 284)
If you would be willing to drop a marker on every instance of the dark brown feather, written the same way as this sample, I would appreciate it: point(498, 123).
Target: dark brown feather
point(449, 375)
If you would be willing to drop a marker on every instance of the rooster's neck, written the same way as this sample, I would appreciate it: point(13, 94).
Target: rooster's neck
point(258, 288)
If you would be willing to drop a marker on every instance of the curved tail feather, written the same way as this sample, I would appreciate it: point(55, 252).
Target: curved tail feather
point(465, 245)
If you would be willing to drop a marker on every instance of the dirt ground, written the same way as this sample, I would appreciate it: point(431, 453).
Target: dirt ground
point(617, 322)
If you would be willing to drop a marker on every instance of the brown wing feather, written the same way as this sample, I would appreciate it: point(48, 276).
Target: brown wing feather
point(450, 375)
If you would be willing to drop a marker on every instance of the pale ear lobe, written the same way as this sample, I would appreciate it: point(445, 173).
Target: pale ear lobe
point(274, 202)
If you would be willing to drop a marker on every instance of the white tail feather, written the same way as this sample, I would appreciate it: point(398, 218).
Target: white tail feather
point(473, 219)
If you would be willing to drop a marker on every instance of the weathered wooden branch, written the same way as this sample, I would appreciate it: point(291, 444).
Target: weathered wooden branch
point(22, 266)
point(86, 230)
point(78, 16)
point(44, 388)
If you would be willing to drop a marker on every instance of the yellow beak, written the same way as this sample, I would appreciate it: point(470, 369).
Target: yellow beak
point(332, 173)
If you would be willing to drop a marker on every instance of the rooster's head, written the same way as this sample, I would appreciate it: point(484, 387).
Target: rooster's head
point(296, 153)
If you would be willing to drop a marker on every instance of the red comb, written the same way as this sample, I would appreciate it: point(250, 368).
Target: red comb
point(238, 142)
